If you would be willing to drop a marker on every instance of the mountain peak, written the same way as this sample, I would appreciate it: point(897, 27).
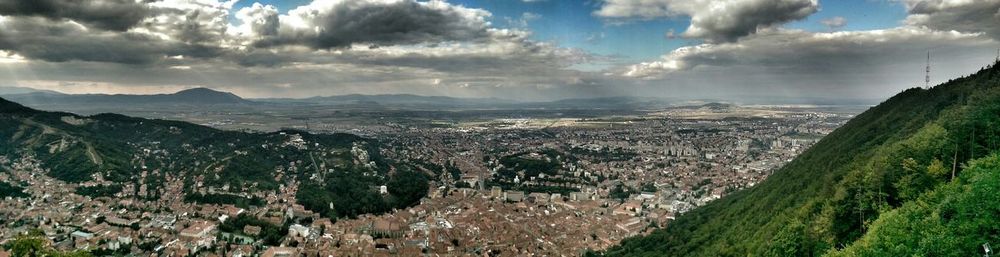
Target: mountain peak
point(202, 91)
point(206, 95)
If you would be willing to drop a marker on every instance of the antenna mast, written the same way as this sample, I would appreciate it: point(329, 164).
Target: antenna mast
point(927, 78)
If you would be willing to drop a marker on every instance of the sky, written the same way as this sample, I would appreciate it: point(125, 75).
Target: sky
point(515, 49)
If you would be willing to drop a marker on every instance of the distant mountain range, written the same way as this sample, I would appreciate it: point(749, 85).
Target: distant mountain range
point(615, 102)
point(204, 96)
point(196, 96)
point(52, 100)
point(388, 100)
point(22, 90)
point(409, 100)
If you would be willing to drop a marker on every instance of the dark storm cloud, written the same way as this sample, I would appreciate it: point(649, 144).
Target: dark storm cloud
point(746, 17)
point(479, 59)
point(192, 26)
point(430, 35)
point(473, 63)
point(381, 23)
point(118, 15)
point(264, 58)
point(143, 34)
point(42, 39)
point(505, 52)
point(981, 16)
point(713, 20)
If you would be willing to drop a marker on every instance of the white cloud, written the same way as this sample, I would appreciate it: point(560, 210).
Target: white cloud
point(596, 37)
point(8, 57)
point(257, 21)
point(671, 34)
point(523, 21)
point(834, 23)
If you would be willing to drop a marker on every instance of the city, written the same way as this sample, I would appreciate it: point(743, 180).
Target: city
point(500, 187)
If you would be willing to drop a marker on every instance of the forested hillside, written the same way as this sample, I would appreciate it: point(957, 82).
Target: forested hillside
point(150, 159)
point(898, 180)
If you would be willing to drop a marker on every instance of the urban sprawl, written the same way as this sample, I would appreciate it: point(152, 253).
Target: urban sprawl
point(509, 187)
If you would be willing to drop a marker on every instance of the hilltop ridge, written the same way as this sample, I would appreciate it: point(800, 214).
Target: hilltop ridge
point(195, 96)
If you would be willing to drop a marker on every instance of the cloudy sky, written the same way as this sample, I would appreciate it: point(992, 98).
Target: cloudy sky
point(516, 49)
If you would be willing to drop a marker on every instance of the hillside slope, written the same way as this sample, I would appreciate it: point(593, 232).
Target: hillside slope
point(149, 159)
point(885, 159)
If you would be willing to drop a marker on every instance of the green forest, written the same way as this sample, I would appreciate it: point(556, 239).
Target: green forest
point(123, 151)
point(351, 195)
point(270, 234)
point(99, 190)
point(238, 201)
point(916, 175)
point(544, 166)
point(8, 190)
point(34, 244)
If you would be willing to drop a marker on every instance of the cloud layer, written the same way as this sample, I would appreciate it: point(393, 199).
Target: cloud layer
point(180, 32)
point(434, 47)
point(337, 24)
point(793, 51)
point(117, 15)
point(980, 16)
point(713, 20)
point(779, 61)
point(317, 48)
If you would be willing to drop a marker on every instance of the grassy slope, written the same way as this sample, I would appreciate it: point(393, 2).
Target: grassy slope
point(813, 197)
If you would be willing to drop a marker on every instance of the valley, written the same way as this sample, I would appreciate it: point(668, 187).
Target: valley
point(450, 182)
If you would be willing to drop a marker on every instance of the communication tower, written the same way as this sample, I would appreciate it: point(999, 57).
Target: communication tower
point(927, 78)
